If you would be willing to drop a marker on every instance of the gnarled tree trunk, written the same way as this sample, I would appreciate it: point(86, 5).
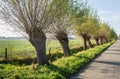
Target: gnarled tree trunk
point(106, 40)
point(97, 41)
point(101, 40)
point(89, 42)
point(84, 36)
point(38, 39)
point(64, 41)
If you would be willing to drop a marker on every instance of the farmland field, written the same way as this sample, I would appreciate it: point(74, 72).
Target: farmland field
point(22, 48)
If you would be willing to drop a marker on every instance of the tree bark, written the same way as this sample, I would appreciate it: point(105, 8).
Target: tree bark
point(64, 41)
point(106, 40)
point(85, 41)
point(97, 41)
point(89, 42)
point(38, 39)
point(101, 40)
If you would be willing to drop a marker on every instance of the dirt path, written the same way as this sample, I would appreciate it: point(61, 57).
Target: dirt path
point(106, 66)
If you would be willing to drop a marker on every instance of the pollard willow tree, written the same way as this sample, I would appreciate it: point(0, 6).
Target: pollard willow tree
point(104, 33)
point(80, 12)
point(92, 25)
point(32, 17)
point(59, 28)
point(95, 33)
point(63, 22)
point(85, 25)
point(113, 35)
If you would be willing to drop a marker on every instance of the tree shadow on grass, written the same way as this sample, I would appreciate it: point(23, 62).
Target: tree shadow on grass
point(55, 56)
point(26, 61)
point(63, 71)
point(29, 61)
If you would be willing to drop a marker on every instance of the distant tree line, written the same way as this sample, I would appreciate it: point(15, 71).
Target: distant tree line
point(56, 17)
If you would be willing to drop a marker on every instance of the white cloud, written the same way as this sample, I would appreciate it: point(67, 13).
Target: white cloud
point(116, 17)
point(104, 12)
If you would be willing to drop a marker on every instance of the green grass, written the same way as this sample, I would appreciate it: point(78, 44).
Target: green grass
point(24, 45)
point(60, 69)
point(16, 45)
point(19, 49)
point(16, 48)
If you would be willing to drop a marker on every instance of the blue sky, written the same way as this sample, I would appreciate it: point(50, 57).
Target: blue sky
point(109, 11)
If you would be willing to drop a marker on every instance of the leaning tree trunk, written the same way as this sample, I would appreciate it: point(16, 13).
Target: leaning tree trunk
point(89, 42)
point(38, 39)
point(85, 41)
point(97, 41)
point(106, 40)
point(64, 41)
point(101, 40)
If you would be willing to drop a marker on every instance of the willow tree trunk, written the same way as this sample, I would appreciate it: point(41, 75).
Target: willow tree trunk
point(97, 41)
point(89, 42)
point(106, 40)
point(101, 40)
point(85, 41)
point(38, 40)
point(64, 41)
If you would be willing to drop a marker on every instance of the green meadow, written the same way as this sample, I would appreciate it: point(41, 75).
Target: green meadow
point(21, 48)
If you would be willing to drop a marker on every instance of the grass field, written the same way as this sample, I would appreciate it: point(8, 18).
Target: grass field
point(22, 48)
